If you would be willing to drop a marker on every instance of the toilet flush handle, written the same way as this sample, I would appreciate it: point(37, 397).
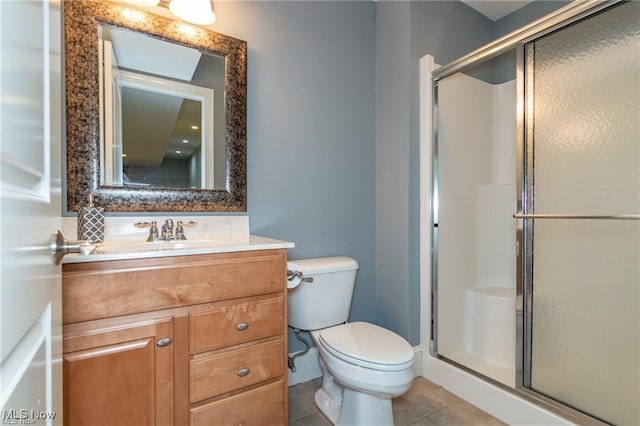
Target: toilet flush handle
point(295, 278)
point(292, 275)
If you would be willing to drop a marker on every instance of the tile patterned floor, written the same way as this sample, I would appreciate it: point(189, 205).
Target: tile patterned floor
point(425, 404)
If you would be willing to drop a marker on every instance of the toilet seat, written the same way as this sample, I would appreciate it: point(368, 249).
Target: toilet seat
point(367, 345)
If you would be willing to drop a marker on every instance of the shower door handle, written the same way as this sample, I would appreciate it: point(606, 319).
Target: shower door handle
point(576, 216)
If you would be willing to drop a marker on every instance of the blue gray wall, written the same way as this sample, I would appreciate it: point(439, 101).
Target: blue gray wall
point(311, 128)
point(392, 287)
point(526, 15)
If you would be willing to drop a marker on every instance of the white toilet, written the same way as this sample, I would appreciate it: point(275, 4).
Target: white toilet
point(363, 365)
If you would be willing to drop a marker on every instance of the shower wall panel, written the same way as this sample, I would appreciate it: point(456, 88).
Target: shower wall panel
point(476, 200)
point(464, 158)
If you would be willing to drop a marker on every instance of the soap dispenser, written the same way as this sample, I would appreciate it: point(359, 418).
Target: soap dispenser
point(91, 222)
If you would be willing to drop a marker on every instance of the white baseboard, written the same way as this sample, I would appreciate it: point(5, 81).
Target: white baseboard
point(307, 367)
point(417, 361)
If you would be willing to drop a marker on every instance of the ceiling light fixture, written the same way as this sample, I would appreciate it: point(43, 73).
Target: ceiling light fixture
point(185, 141)
point(197, 12)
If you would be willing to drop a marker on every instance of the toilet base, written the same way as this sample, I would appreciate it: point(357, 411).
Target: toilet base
point(329, 406)
point(355, 409)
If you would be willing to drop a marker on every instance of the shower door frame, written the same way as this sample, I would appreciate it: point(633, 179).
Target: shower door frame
point(573, 12)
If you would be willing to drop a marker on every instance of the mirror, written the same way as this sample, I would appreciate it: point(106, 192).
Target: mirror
point(156, 112)
point(163, 113)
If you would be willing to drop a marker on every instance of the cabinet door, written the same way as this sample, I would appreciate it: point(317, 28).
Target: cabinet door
point(120, 376)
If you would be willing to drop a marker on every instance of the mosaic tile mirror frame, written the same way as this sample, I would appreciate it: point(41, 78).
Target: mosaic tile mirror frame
point(82, 20)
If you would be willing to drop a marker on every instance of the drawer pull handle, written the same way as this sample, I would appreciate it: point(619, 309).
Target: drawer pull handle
point(243, 372)
point(242, 326)
point(164, 341)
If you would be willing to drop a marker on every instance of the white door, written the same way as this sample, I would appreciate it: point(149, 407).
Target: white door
point(30, 192)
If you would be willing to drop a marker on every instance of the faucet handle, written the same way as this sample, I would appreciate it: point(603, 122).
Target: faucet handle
point(180, 231)
point(153, 231)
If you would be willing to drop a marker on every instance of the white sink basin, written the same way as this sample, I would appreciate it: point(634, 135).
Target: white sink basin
point(125, 246)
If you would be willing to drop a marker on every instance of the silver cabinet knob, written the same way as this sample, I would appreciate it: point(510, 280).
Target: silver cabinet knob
point(164, 341)
point(243, 372)
point(242, 326)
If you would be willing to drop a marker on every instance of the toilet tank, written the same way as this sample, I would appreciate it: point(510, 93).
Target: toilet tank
point(326, 301)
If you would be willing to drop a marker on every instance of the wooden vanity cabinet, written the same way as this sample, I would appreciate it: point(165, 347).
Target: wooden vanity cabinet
point(197, 340)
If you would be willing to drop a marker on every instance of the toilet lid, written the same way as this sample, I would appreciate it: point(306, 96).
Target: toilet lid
point(368, 345)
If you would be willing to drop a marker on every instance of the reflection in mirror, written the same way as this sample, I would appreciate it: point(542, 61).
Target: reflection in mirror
point(109, 109)
point(163, 113)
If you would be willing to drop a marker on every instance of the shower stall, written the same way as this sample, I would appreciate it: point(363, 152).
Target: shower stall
point(534, 223)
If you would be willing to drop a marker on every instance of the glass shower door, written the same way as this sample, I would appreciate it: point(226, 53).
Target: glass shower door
point(581, 215)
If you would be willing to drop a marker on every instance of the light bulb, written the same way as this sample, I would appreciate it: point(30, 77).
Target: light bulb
point(197, 12)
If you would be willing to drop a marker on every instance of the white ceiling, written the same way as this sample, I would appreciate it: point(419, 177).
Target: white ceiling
point(496, 9)
point(139, 52)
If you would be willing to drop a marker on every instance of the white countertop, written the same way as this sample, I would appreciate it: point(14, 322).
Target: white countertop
point(134, 249)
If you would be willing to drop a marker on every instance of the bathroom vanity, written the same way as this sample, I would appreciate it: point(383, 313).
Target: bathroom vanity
point(179, 338)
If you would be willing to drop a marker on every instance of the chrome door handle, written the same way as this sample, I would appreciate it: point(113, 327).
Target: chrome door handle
point(243, 372)
point(242, 326)
point(60, 246)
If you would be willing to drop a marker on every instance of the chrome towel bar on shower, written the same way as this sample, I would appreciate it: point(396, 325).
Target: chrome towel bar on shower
point(575, 216)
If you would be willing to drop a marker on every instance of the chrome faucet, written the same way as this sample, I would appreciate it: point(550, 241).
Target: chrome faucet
point(167, 230)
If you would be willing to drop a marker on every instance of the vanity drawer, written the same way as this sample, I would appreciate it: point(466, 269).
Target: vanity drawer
point(260, 406)
point(232, 370)
point(123, 287)
point(234, 324)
